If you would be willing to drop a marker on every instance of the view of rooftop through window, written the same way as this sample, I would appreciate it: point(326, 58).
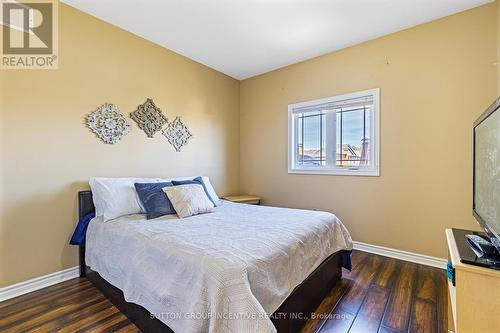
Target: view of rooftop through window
point(353, 128)
point(352, 137)
point(311, 139)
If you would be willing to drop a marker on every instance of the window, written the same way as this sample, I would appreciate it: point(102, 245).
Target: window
point(335, 135)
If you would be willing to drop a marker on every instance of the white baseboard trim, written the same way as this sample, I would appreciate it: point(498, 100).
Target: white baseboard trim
point(40, 282)
point(402, 255)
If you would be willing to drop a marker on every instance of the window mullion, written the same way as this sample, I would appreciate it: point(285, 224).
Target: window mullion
point(321, 139)
point(296, 140)
point(341, 147)
point(302, 138)
point(331, 138)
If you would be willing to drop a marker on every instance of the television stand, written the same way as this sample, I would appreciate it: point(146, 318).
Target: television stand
point(474, 290)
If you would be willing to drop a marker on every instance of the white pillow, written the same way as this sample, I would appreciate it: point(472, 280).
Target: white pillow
point(115, 197)
point(189, 199)
point(211, 191)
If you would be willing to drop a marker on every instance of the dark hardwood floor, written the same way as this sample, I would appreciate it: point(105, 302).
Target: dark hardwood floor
point(384, 295)
point(380, 295)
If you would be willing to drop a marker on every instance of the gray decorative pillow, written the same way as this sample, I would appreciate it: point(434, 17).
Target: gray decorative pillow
point(189, 199)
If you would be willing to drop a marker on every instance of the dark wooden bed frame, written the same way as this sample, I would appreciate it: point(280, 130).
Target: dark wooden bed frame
point(290, 317)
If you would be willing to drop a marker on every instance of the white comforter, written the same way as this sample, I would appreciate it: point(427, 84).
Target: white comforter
point(219, 272)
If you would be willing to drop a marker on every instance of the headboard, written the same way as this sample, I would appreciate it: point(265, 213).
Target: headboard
point(85, 203)
point(85, 206)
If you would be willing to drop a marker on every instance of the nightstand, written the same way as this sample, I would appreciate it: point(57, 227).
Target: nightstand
point(246, 199)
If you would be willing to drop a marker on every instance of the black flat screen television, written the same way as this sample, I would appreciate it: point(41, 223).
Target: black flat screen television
point(486, 187)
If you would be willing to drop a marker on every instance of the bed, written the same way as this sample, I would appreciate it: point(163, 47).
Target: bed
point(218, 272)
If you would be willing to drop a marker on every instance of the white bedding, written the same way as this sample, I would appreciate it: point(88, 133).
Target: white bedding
point(217, 272)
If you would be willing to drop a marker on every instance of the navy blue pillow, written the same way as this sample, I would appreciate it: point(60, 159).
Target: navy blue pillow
point(197, 180)
point(80, 232)
point(154, 200)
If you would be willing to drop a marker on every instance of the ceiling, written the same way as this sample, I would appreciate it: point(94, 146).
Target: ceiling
point(244, 38)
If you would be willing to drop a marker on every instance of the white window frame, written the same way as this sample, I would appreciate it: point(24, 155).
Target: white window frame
point(372, 170)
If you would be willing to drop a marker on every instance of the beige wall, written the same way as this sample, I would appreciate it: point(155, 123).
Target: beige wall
point(48, 154)
point(435, 79)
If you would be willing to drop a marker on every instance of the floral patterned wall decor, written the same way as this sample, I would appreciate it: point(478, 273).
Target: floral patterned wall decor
point(177, 133)
point(149, 117)
point(108, 123)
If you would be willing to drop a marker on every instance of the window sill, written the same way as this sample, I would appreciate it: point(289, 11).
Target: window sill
point(336, 172)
